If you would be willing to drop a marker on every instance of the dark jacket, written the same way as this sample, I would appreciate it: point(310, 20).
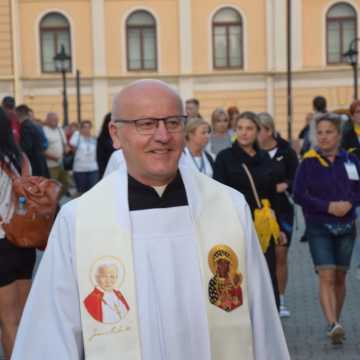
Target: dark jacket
point(228, 170)
point(350, 141)
point(31, 143)
point(285, 163)
point(104, 149)
point(317, 185)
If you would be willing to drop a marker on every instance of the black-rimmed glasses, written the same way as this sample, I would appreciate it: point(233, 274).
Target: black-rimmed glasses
point(148, 126)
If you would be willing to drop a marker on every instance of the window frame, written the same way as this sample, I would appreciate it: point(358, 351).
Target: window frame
point(339, 20)
point(141, 29)
point(55, 31)
point(227, 26)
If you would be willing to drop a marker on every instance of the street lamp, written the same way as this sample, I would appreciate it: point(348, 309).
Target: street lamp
point(351, 57)
point(63, 65)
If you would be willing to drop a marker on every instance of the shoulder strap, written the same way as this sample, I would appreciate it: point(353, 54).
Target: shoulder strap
point(210, 159)
point(25, 165)
point(251, 180)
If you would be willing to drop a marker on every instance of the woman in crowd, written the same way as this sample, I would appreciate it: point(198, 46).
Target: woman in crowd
point(229, 170)
point(104, 147)
point(16, 264)
point(197, 132)
point(220, 137)
point(328, 189)
point(284, 162)
point(86, 170)
point(233, 113)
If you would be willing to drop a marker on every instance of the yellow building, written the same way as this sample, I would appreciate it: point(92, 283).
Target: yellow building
point(222, 52)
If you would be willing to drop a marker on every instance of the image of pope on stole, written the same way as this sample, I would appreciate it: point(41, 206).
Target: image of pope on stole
point(106, 303)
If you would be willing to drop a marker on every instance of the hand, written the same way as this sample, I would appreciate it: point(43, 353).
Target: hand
point(67, 149)
point(282, 239)
point(281, 187)
point(51, 157)
point(339, 208)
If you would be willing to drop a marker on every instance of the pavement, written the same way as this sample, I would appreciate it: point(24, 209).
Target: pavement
point(305, 329)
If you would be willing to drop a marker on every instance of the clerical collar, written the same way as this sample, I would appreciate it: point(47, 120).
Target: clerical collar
point(144, 197)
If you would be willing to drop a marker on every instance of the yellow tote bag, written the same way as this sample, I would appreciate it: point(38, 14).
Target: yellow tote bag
point(265, 222)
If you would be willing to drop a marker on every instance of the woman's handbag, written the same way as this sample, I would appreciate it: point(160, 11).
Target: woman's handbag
point(265, 222)
point(35, 201)
point(340, 229)
point(68, 161)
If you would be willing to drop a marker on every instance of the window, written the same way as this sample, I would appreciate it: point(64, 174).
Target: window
point(54, 32)
point(340, 30)
point(227, 33)
point(141, 41)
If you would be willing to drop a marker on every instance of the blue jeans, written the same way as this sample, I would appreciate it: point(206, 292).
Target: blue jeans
point(327, 250)
point(84, 181)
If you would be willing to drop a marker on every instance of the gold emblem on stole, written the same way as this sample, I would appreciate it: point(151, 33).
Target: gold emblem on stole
point(225, 286)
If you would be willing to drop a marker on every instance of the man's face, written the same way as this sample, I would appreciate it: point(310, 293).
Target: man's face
point(192, 109)
point(107, 277)
point(151, 159)
point(52, 120)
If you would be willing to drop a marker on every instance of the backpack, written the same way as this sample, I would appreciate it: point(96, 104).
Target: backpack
point(35, 201)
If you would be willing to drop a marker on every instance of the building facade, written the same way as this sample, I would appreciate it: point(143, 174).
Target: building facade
point(222, 52)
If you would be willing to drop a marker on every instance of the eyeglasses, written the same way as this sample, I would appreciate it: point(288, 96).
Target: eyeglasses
point(148, 126)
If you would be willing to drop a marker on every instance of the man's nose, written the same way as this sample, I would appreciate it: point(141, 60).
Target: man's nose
point(161, 133)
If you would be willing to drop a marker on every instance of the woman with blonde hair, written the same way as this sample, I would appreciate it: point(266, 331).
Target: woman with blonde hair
point(197, 132)
point(284, 165)
point(220, 137)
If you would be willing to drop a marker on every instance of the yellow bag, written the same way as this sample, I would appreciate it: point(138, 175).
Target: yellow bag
point(266, 225)
point(265, 222)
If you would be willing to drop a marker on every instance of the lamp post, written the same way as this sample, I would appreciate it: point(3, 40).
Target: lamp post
point(63, 65)
point(351, 57)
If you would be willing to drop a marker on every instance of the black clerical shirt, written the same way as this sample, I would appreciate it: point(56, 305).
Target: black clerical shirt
point(144, 197)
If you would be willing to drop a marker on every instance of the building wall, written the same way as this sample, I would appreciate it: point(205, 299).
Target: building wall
point(253, 16)
point(184, 38)
point(78, 14)
point(166, 14)
point(6, 62)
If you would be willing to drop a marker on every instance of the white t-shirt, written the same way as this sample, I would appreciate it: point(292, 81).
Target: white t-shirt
point(85, 153)
point(56, 141)
point(200, 163)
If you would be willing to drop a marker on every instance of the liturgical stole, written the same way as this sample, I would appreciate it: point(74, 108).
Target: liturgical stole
point(106, 279)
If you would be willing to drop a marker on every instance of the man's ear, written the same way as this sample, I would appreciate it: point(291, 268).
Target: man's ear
point(114, 133)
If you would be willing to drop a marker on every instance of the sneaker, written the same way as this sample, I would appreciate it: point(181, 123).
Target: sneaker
point(284, 312)
point(336, 333)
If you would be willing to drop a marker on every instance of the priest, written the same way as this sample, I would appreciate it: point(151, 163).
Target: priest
point(182, 248)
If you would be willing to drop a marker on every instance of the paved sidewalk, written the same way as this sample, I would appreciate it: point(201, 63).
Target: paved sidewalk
point(305, 329)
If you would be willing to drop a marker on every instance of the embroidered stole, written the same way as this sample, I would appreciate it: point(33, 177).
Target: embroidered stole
point(104, 258)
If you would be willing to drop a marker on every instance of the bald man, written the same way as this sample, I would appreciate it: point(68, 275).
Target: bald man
point(169, 231)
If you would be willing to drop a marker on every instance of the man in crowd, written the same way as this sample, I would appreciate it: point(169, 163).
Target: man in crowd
point(57, 147)
point(192, 108)
point(8, 103)
point(167, 230)
point(32, 142)
point(320, 108)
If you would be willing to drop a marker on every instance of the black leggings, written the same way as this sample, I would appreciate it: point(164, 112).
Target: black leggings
point(270, 257)
point(15, 263)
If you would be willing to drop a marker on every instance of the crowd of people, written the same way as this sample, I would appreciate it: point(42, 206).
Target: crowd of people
point(240, 149)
